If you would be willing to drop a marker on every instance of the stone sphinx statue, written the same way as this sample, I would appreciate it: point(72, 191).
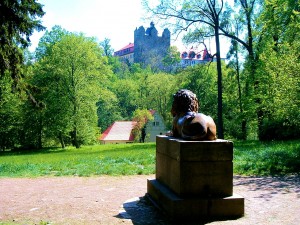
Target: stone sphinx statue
point(187, 122)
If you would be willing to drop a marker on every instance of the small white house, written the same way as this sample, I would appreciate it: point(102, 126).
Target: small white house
point(121, 131)
point(155, 126)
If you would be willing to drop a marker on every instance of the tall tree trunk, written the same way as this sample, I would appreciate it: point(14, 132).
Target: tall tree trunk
point(244, 121)
point(75, 110)
point(76, 143)
point(252, 60)
point(40, 132)
point(61, 139)
point(74, 137)
point(220, 100)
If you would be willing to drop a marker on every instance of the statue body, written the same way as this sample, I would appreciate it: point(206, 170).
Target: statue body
point(187, 122)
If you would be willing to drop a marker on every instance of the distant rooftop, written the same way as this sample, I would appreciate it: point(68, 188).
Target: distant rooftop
point(119, 131)
point(125, 50)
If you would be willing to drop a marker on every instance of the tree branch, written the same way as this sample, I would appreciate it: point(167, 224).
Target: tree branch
point(226, 34)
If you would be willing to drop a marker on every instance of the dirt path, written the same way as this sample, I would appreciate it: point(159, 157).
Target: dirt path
point(119, 200)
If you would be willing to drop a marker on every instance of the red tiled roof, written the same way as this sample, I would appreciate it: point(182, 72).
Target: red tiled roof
point(119, 131)
point(130, 45)
point(152, 111)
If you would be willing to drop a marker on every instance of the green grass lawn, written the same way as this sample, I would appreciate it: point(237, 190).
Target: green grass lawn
point(266, 158)
point(250, 158)
point(122, 159)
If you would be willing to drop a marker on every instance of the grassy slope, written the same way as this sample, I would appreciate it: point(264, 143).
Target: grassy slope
point(250, 157)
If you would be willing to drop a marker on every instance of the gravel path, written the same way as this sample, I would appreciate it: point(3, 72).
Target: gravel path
point(120, 200)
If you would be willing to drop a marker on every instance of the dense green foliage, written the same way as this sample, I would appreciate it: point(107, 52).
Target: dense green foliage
point(78, 88)
point(141, 117)
point(71, 88)
point(250, 158)
point(17, 22)
point(278, 70)
point(264, 59)
point(19, 19)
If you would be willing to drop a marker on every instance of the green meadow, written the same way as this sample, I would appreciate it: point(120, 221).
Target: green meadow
point(250, 158)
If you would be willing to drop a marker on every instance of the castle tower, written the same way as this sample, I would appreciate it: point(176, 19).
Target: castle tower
point(149, 48)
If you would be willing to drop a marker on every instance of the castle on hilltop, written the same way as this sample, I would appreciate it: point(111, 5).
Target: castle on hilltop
point(150, 49)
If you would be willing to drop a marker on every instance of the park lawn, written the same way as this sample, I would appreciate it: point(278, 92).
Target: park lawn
point(121, 159)
point(266, 158)
point(250, 158)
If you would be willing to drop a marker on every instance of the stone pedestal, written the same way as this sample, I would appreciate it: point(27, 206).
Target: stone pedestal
point(194, 179)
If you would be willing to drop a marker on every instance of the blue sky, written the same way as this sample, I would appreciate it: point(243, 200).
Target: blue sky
point(112, 19)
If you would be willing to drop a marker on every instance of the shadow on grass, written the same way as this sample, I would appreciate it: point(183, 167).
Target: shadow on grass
point(32, 152)
point(107, 149)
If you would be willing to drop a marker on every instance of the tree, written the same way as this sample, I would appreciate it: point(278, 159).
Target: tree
point(48, 40)
point(107, 49)
point(172, 59)
point(19, 19)
point(208, 18)
point(204, 17)
point(108, 109)
point(234, 56)
point(126, 91)
point(120, 68)
point(248, 13)
point(70, 77)
point(278, 70)
point(17, 23)
point(159, 90)
point(141, 117)
point(11, 116)
point(201, 80)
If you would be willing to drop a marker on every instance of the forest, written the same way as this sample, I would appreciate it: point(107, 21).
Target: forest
point(71, 88)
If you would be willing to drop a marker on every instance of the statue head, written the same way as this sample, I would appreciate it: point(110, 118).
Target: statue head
point(184, 101)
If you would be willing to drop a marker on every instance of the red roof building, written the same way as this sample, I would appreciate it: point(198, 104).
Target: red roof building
point(126, 53)
point(121, 131)
point(118, 132)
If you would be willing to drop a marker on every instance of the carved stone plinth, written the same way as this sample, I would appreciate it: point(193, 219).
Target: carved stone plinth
point(194, 179)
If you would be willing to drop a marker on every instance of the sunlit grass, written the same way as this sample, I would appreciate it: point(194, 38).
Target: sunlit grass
point(125, 159)
point(266, 158)
point(250, 158)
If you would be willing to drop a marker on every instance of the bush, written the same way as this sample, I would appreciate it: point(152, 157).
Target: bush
point(279, 130)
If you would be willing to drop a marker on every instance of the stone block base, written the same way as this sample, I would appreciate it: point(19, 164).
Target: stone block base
point(195, 168)
point(205, 208)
